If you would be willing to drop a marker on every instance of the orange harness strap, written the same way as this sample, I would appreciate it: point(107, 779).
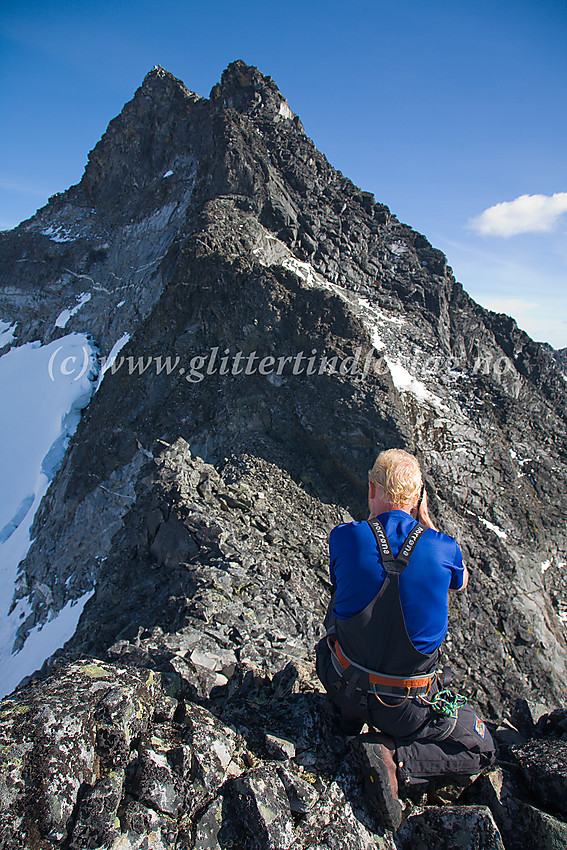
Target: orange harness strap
point(376, 678)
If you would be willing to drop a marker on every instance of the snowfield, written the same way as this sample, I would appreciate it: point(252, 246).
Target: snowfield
point(43, 390)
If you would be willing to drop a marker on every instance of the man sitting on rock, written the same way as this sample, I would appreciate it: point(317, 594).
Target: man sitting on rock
point(387, 619)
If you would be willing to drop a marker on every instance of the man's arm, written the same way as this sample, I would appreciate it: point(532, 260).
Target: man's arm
point(329, 621)
point(424, 518)
point(464, 584)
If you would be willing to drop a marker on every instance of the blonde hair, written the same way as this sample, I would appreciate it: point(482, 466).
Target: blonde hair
point(398, 475)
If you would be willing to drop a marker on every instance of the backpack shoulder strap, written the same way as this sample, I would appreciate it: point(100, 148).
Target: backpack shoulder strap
point(391, 564)
point(383, 543)
point(409, 544)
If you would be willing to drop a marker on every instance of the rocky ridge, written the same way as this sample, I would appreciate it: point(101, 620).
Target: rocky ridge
point(142, 763)
point(561, 358)
point(197, 504)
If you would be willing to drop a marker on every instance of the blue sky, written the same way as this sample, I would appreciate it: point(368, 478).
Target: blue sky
point(450, 112)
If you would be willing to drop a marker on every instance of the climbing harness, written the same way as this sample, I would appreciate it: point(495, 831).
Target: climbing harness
point(389, 685)
point(404, 672)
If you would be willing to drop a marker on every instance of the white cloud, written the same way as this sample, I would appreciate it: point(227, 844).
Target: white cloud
point(526, 214)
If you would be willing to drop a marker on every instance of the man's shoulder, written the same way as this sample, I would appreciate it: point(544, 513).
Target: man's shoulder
point(348, 531)
point(442, 545)
point(440, 536)
point(348, 527)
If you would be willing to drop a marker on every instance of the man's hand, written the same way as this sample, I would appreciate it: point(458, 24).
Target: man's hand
point(423, 513)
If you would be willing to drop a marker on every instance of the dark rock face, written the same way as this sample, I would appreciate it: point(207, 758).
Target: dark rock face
point(522, 825)
point(544, 766)
point(284, 328)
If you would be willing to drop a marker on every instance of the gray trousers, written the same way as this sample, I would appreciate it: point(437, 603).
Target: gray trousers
point(429, 745)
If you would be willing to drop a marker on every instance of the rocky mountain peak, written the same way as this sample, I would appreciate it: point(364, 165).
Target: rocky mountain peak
point(158, 79)
point(166, 128)
point(244, 88)
point(142, 142)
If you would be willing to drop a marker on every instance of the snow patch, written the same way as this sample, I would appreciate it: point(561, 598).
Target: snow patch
point(43, 390)
point(7, 332)
point(378, 344)
point(66, 314)
point(168, 174)
point(406, 383)
point(521, 463)
point(371, 317)
point(514, 456)
point(378, 314)
point(284, 110)
point(398, 248)
point(41, 643)
point(303, 270)
point(280, 255)
point(58, 234)
point(545, 565)
point(109, 362)
point(494, 528)
point(307, 273)
point(120, 303)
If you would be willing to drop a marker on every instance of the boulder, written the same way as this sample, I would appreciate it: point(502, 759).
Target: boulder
point(451, 827)
point(522, 825)
point(259, 808)
point(60, 737)
point(543, 765)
